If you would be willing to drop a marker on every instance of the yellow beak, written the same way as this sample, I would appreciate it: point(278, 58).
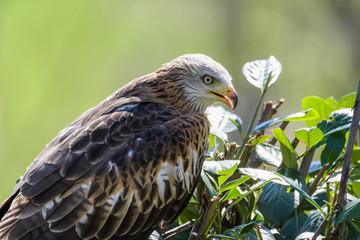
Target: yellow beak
point(230, 98)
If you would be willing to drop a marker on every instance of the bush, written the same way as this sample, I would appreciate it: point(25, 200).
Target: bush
point(264, 187)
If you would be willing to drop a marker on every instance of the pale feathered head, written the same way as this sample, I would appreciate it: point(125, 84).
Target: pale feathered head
point(200, 81)
point(190, 82)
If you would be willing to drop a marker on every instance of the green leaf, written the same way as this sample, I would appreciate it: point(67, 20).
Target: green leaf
point(353, 231)
point(253, 188)
point(231, 194)
point(310, 136)
point(213, 167)
point(321, 106)
point(242, 229)
point(266, 234)
point(296, 186)
point(189, 213)
point(313, 222)
point(341, 120)
point(350, 211)
point(269, 154)
point(319, 196)
point(305, 115)
point(289, 158)
point(355, 155)
point(260, 140)
point(333, 148)
point(300, 116)
point(211, 140)
point(287, 151)
point(281, 137)
point(219, 134)
point(234, 183)
point(208, 183)
point(263, 175)
point(238, 124)
point(292, 225)
point(356, 187)
point(275, 203)
point(331, 101)
point(225, 174)
point(347, 101)
point(258, 72)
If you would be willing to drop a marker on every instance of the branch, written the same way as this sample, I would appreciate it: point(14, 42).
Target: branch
point(314, 184)
point(233, 147)
point(245, 155)
point(209, 216)
point(177, 230)
point(268, 111)
point(306, 162)
point(341, 201)
point(320, 228)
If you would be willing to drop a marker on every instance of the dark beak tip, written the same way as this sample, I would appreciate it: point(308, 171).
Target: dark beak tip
point(234, 98)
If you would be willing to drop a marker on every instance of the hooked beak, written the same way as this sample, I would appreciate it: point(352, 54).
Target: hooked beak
point(230, 98)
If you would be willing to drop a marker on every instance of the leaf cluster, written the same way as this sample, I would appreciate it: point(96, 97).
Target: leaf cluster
point(293, 190)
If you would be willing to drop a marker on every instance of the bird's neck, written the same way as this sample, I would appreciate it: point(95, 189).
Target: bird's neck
point(152, 88)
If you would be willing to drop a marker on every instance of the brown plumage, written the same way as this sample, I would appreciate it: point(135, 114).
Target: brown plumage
point(127, 164)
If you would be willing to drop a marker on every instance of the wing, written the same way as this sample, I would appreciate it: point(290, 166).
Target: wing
point(117, 175)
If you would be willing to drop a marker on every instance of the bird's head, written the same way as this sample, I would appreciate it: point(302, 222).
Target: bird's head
point(197, 81)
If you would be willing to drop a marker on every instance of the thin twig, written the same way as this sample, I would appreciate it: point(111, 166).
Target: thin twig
point(320, 228)
point(314, 184)
point(233, 147)
point(245, 155)
point(200, 188)
point(341, 201)
point(269, 110)
point(257, 231)
point(294, 142)
point(209, 214)
point(306, 162)
point(172, 232)
point(196, 225)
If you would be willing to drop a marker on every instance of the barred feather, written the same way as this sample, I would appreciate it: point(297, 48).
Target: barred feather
point(123, 166)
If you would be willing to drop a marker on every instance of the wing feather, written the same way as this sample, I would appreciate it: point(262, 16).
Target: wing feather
point(118, 174)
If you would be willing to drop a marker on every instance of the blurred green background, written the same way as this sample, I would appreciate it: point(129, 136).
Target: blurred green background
point(60, 58)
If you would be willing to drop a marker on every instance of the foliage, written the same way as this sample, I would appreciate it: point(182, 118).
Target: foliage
point(290, 195)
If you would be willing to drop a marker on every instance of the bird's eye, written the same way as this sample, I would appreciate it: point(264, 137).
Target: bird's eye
point(207, 79)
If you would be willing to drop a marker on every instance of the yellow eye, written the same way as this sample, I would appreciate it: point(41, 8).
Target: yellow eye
point(207, 79)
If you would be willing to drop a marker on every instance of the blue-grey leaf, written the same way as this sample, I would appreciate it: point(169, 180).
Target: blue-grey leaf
point(219, 118)
point(315, 166)
point(299, 116)
point(213, 167)
point(269, 154)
